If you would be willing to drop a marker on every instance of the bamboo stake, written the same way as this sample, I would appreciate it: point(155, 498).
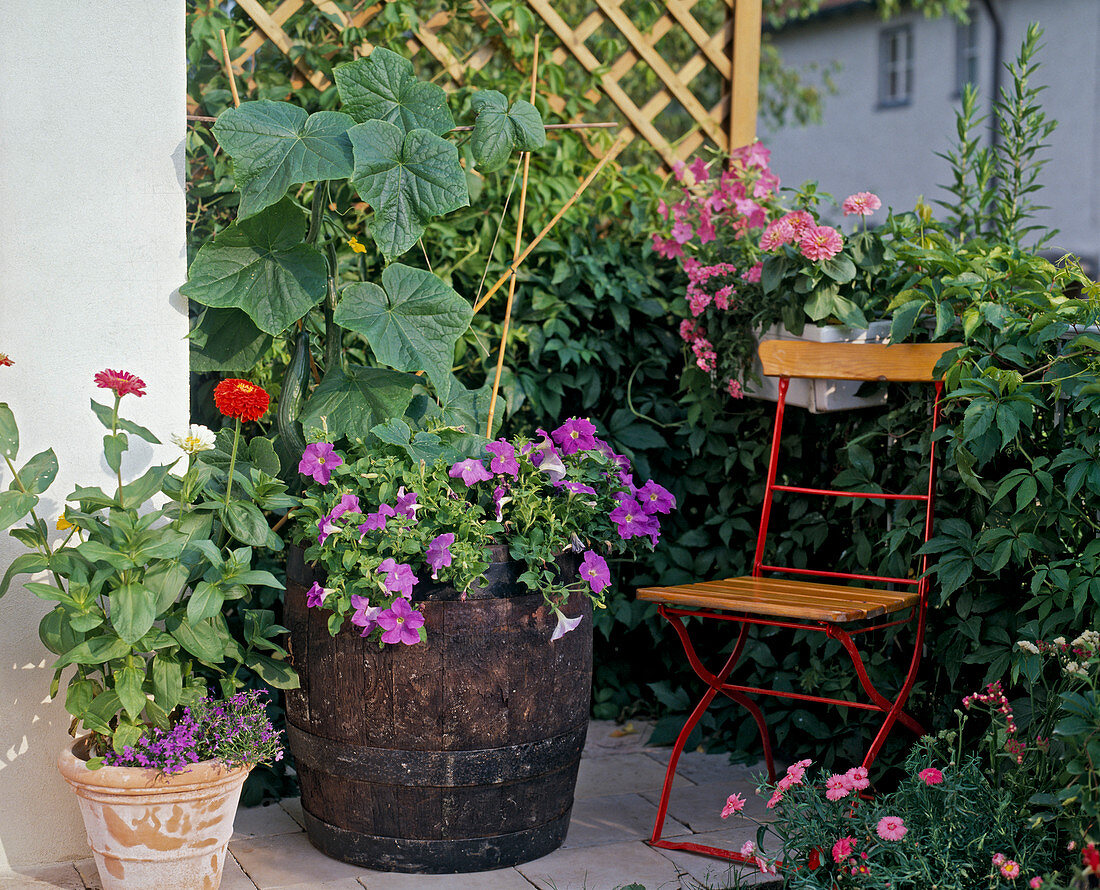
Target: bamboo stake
point(229, 71)
point(624, 136)
point(515, 256)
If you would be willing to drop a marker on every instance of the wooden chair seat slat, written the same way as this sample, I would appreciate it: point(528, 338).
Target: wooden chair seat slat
point(785, 598)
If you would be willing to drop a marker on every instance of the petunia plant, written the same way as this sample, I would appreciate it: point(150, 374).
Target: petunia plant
point(272, 273)
point(397, 514)
point(142, 578)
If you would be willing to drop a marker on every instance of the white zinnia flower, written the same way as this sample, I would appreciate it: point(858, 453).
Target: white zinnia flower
point(198, 438)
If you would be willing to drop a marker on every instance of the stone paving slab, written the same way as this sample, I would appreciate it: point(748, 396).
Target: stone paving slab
point(700, 806)
point(49, 877)
point(619, 817)
point(618, 774)
point(264, 821)
point(501, 879)
point(602, 868)
point(289, 860)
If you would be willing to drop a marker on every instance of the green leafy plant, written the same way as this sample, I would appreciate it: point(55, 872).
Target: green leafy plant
point(144, 577)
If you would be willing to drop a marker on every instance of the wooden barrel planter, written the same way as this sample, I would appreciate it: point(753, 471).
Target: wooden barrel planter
point(455, 755)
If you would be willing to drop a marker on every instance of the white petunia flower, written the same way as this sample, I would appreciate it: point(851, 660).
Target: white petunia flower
point(565, 624)
point(198, 438)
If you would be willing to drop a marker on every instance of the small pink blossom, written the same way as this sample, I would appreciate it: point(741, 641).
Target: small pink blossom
point(678, 170)
point(843, 848)
point(733, 387)
point(857, 779)
point(682, 232)
point(776, 797)
point(748, 848)
point(752, 274)
point(1035, 883)
point(999, 859)
point(930, 776)
point(1011, 869)
point(735, 803)
point(698, 169)
point(662, 209)
point(837, 787)
point(861, 203)
point(820, 243)
point(688, 330)
point(891, 828)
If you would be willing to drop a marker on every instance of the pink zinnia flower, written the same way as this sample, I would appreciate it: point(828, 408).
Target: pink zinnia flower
point(800, 221)
point(820, 243)
point(861, 203)
point(122, 382)
point(837, 787)
point(735, 803)
point(1011, 869)
point(891, 828)
point(776, 235)
point(842, 849)
point(857, 778)
point(930, 776)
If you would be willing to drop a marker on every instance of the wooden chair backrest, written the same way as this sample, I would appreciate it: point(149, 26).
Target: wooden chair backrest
point(901, 363)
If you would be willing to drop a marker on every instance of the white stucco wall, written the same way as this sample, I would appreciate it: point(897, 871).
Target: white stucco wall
point(92, 249)
point(891, 151)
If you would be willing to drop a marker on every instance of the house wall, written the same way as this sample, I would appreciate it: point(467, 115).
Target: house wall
point(92, 249)
point(891, 151)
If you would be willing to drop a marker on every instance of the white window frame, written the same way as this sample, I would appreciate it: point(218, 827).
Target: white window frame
point(895, 66)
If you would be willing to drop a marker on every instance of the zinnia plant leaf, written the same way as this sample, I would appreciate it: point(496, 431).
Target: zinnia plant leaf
point(23, 564)
point(272, 671)
point(9, 432)
point(128, 682)
point(167, 676)
point(133, 611)
point(412, 322)
point(38, 473)
point(407, 179)
point(226, 340)
point(383, 87)
point(105, 415)
point(246, 523)
point(355, 399)
point(261, 266)
point(95, 651)
point(498, 130)
point(14, 505)
point(201, 639)
point(275, 145)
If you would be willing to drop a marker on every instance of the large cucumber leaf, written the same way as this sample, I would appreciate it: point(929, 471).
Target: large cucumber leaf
point(353, 400)
point(383, 87)
point(498, 130)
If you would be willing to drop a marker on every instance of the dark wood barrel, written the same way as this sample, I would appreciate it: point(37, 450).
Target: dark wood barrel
point(455, 755)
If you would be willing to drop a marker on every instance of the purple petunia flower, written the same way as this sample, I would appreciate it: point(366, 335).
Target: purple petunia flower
point(576, 434)
point(319, 460)
point(315, 596)
point(655, 498)
point(438, 553)
point(349, 503)
point(630, 518)
point(401, 623)
point(499, 500)
point(399, 577)
point(326, 525)
point(377, 521)
point(406, 504)
point(365, 615)
point(594, 570)
point(504, 458)
point(575, 487)
point(564, 625)
point(470, 471)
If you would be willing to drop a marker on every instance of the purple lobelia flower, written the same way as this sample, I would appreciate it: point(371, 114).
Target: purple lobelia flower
point(365, 615)
point(470, 471)
point(406, 504)
point(504, 458)
point(401, 623)
point(315, 596)
point(399, 577)
point(438, 553)
point(564, 625)
point(630, 518)
point(377, 521)
point(594, 570)
point(319, 460)
point(576, 434)
point(655, 498)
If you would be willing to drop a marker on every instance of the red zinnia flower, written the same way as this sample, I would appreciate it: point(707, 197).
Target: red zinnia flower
point(241, 399)
point(5, 362)
point(1090, 856)
point(122, 382)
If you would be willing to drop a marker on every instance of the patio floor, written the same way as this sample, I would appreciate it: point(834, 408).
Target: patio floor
point(619, 784)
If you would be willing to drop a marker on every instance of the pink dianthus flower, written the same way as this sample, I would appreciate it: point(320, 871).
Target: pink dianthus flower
point(857, 779)
point(842, 849)
point(891, 828)
point(930, 776)
point(837, 787)
point(735, 803)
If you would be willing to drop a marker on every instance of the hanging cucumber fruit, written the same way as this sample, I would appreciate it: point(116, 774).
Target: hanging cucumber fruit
point(295, 390)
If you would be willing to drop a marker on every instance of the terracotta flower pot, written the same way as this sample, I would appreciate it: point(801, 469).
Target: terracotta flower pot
point(147, 829)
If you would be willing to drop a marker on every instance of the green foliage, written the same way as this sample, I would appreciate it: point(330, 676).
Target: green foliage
point(140, 588)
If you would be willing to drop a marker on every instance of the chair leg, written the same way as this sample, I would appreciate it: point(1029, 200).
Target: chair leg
point(893, 709)
point(714, 682)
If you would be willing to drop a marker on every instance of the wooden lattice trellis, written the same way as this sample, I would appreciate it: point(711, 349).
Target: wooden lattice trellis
point(732, 51)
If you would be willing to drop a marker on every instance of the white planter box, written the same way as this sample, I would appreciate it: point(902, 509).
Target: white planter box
point(819, 396)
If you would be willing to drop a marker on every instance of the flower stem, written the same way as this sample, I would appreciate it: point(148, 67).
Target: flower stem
point(114, 432)
point(232, 464)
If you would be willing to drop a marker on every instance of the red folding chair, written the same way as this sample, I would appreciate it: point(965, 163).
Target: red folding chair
point(830, 608)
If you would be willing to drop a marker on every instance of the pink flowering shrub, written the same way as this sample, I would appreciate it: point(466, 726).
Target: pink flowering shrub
point(753, 259)
point(400, 515)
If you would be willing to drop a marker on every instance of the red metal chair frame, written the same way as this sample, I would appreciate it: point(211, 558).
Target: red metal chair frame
point(717, 682)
